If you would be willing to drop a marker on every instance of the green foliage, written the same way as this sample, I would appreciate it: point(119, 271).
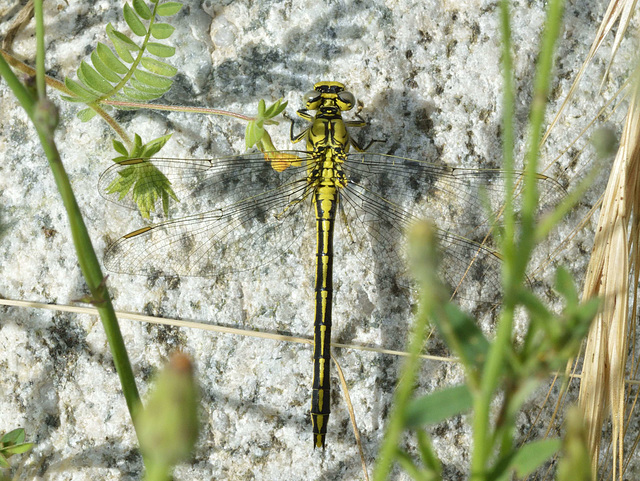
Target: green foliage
point(12, 443)
point(255, 134)
point(438, 406)
point(129, 74)
point(141, 179)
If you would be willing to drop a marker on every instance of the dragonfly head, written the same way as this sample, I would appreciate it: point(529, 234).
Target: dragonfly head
point(330, 97)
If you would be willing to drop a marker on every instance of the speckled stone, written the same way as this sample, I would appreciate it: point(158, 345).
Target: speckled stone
point(428, 75)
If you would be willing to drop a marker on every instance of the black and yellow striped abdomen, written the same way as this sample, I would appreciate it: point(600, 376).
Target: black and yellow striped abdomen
point(325, 208)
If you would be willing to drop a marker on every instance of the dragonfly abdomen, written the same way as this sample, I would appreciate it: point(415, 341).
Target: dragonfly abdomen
point(325, 200)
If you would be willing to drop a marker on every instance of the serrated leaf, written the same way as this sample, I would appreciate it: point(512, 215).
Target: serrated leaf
point(153, 80)
point(86, 114)
point(158, 67)
point(438, 406)
point(168, 9)
point(134, 22)
point(160, 49)
point(161, 30)
point(142, 9)
point(120, 148)
point(83, 94)
point(93, 79)
point(110, 60)
point(102, 69)
point(138, 96)
point(146, 88)
point(154, 146)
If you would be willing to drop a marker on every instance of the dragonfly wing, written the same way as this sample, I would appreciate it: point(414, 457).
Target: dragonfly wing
point(239, 236)
point(449, 196)
point(380, 226)
point(232, 177)
point(386, 194)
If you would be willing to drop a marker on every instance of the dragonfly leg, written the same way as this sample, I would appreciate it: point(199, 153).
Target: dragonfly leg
point(297, 138)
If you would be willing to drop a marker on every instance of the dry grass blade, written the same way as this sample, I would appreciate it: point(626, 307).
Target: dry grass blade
point(352, 416)
point(616, 9)
point(608, 277)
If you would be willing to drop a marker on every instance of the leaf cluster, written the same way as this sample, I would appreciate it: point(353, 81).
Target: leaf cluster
point(141, 179)
point(128, 72)
point(255, 134)
point(549, 342)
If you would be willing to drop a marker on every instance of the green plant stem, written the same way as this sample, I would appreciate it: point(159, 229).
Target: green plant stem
point(178, 108)
point(43, 115)
point(536, 119)
point(396, 425)
point(516, 254)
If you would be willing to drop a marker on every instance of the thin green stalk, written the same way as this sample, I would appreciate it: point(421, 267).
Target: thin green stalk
point(516, 254)
point(483, 441)
point(44, 117)
point(396, 426)
point(536, 119)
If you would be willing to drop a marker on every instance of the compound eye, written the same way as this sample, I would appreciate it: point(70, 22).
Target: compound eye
point(347, 99)
point(311, 96)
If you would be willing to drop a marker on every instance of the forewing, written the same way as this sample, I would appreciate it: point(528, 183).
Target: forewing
point(234, 235)
point(386, 194)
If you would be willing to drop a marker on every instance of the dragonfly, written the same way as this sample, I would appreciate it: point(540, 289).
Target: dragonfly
point(253, 207)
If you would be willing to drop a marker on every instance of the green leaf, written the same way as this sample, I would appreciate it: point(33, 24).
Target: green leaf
point(110, 60)
point(86, 114)
point(153, 147)
point(120, 148)
point(3, 461)
point(122, 51)
point(160, 50)
point(153, 80)
point(168, 9)
point(438, 406)
point(532, 455)
point(134, 22)
point(146, 88)
point(142, 9)
point(161, 30)
point(16, 436)
point(158, 67)
point(463, 336)
point(93, 79)
point(130, 44)
point(102, 68)
point(83, 94)
point(138, 96)
point(275, 109)
point(253, 133)
point(17, 449)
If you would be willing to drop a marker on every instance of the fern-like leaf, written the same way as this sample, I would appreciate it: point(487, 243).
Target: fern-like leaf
point(128, 70)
